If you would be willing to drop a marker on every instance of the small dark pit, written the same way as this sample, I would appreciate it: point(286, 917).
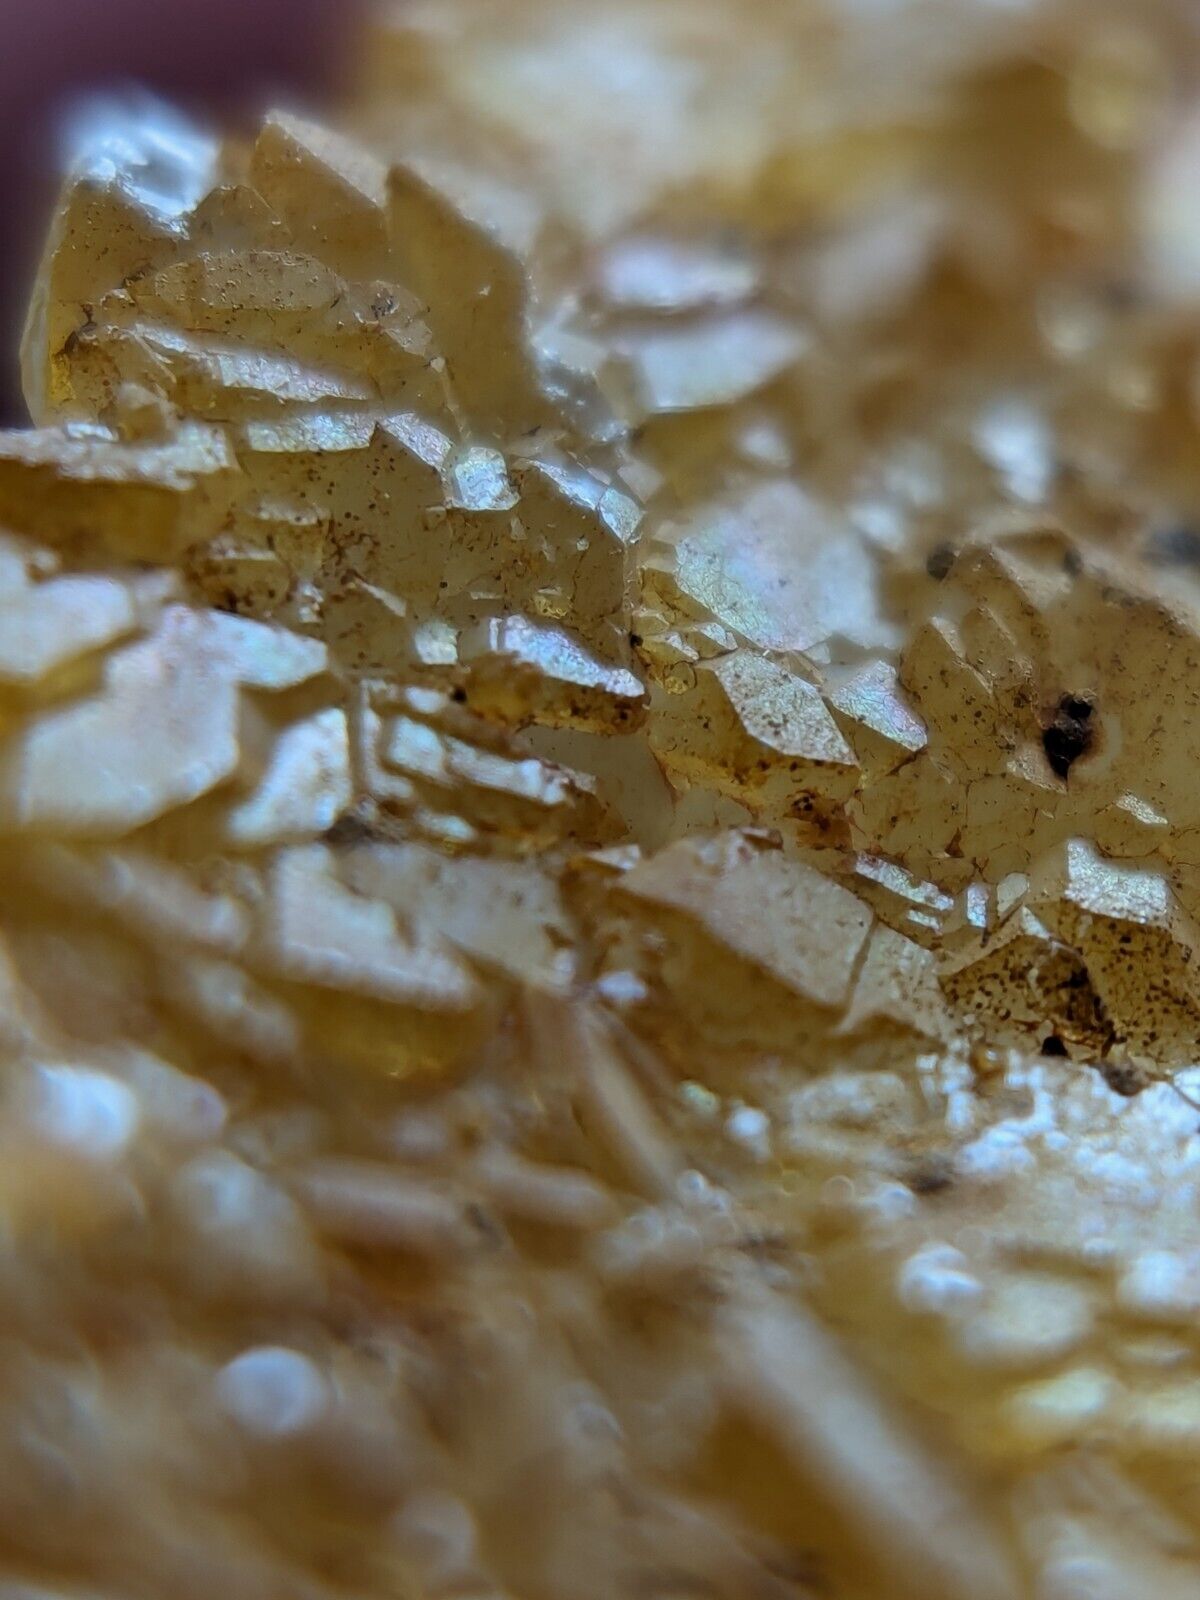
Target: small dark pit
point(939, 561)
point(1069, 733)
point(931, 1177)
point(1052, 1045)
point(349, 828)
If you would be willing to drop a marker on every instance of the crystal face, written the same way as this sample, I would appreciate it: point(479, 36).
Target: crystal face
point(599, 836)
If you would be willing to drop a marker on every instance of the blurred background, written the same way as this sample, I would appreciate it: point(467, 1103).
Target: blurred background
point(221, 57)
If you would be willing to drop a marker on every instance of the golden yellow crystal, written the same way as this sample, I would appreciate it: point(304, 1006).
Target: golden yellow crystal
point(599, 705)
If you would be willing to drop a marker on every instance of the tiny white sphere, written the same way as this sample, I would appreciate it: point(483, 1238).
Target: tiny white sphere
point(272, 1392)
point(1000, 1153)
point(886, 1203)
point(938, 1279)
point(751, 1128)
point(87, 1111)
point(1160, 1283)
point(621, 988)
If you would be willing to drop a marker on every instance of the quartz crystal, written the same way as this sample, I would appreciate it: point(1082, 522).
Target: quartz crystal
point(600, 823)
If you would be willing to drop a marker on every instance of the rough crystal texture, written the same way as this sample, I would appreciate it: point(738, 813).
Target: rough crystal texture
point(599, 835)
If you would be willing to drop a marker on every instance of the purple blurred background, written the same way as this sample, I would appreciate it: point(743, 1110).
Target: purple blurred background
point(223, 56)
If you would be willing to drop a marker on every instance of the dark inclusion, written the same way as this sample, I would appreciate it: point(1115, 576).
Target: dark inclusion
point(1177, 546)
point(1122, 1077)
point(1069, 733)
point(939, 561)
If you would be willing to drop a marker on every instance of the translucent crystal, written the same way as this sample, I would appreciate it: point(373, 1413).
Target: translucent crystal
point(599, 836)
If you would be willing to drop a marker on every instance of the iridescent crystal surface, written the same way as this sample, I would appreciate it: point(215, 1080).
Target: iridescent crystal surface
point(599, 822)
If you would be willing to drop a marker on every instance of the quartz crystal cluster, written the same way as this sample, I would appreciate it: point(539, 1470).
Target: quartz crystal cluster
point(600, 821)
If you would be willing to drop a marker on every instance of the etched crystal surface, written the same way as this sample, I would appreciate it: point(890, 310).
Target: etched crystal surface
point(599, 831)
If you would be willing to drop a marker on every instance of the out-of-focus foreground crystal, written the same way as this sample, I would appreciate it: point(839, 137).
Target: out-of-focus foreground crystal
point(600, 821)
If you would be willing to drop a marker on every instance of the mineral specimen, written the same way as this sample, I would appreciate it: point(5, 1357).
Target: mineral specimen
point(599, 835)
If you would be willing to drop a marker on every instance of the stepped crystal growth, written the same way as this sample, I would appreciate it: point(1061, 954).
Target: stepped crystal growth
point(600, 884)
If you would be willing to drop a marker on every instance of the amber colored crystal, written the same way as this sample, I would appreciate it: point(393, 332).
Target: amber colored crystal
point(599, 823)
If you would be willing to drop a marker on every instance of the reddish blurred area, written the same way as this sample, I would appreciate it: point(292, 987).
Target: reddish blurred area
point(220, 56)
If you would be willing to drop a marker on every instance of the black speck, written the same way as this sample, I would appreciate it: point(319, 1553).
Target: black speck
point(487, 1226)
point(939, 561)
point(1052, 1045)
point(1068, 734)
point(1072, 563)
point(931, 1177)
point(459, 696)
point(349, 828)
